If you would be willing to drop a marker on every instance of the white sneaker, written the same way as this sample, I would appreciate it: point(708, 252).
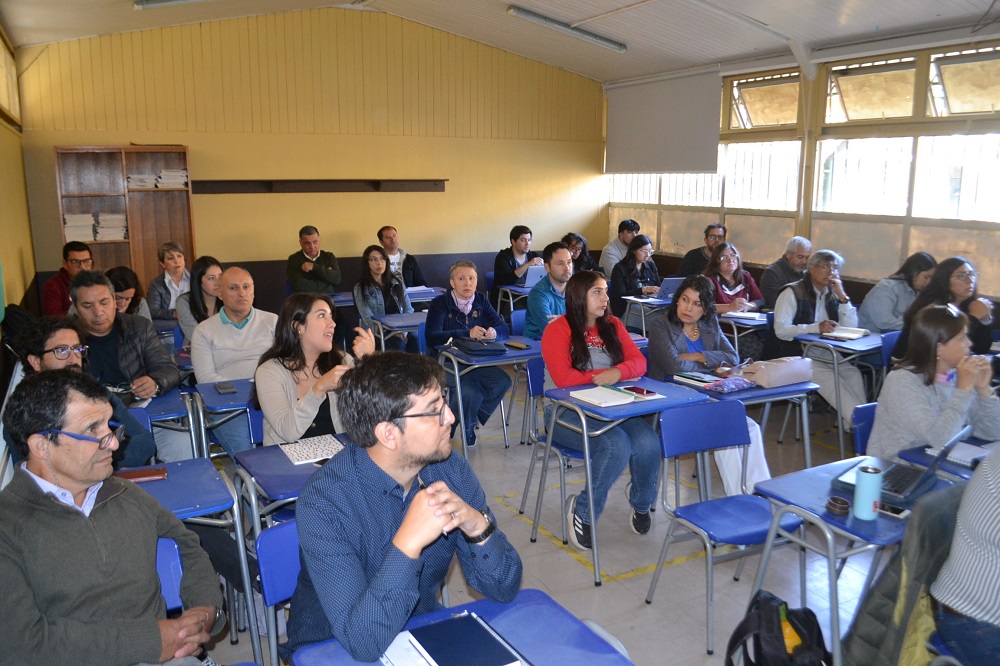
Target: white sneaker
point(258, 606)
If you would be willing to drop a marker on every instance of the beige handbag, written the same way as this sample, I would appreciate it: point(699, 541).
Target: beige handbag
point(779, 371)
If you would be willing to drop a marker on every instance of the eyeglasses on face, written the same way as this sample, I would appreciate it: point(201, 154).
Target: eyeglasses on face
point(118, 430)
point(440, 413)
point(645, 251)
point(62, 352)
point(962, 276)
point(77, 263)
point(828, 268)
point(729, 257)
point(717, 237)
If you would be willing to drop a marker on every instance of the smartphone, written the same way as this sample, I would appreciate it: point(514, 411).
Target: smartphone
point(638, 390)
point(225, 388)
point(894, 511)
point(321, 462)
point(515, 345)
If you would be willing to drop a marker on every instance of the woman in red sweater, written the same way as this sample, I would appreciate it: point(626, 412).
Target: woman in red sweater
point(588, 345)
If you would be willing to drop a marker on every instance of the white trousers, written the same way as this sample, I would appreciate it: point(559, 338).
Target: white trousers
point(730, 462)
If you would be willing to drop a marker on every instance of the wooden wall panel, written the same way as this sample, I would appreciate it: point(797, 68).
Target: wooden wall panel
point(323, 71)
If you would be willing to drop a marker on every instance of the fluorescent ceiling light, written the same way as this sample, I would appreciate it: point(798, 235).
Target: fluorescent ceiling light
point(155, 4)
point(565, 28)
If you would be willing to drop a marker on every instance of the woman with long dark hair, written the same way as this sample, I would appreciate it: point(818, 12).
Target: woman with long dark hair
point(296, 375)
point(580, 252)
point(735, 288)
point(886, 304)
point(203, 300)
point(936, 389)
point(128, 294)
point(588, 345)
point(953, 281)
point(688, 339)
point(634, 275)
point(379, 291)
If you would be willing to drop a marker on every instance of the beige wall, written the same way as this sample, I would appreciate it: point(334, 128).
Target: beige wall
point(327, 94)
point(15, 247)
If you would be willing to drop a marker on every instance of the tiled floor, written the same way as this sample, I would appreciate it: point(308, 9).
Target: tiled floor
point(672, 629)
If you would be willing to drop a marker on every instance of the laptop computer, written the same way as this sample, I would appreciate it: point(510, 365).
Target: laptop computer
point(668, 287)
point(534, 274)
point(902, 484)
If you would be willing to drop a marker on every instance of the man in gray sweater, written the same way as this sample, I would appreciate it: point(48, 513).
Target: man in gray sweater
point(78, 546)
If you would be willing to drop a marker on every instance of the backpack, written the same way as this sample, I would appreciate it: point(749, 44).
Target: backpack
point(763, 626)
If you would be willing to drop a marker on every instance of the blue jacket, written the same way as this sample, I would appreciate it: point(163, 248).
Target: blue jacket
point(543, 300)
point(445, 320)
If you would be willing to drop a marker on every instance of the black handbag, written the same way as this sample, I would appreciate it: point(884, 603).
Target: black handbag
point(479, 347)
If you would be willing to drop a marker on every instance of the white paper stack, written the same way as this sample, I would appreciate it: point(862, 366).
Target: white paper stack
point(141, 181)
point(111, 227)
point(79, 227)
point(172, 178)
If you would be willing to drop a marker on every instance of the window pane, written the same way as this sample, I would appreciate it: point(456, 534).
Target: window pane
point(882, 89)
point(765, 101)
point(692, 189)
point(964, 82)
point(762, 176)
point(635, 188)
point(957, 176)
point(863, 175)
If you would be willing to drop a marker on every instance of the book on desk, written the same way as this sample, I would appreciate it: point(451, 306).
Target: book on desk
point(845, 333)
point(612, 396)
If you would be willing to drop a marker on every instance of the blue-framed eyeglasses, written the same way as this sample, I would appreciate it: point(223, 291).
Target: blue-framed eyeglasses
point(117, 431)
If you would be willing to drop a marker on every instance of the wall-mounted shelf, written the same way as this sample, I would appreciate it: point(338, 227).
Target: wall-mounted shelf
point(288, 186)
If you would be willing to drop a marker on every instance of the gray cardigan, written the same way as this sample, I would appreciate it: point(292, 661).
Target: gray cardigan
point(667, 341)
point(286, 416)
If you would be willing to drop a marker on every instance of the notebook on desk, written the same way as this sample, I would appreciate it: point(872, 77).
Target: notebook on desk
point(902, 484)
point(534, 274)
point(458, 641)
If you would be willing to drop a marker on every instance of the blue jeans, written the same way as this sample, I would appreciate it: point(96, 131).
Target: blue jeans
point(970, 641)
point(482, 391)
point(633, 443)
point(234, 436)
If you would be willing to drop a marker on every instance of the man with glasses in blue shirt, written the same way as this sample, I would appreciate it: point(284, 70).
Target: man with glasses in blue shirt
point(380, 523)
point(53, 343)
point(78, 545)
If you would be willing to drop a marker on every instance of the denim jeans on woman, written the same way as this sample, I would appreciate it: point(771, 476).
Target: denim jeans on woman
point(633, 443)
point(482, 391)
point(970, 641)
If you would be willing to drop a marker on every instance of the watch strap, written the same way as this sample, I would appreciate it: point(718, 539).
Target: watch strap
point(491, 527)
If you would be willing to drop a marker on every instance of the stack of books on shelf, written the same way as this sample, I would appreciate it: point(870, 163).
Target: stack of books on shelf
point(172, 178)
point(79, 227)
point(111, 227)
point(141, 181)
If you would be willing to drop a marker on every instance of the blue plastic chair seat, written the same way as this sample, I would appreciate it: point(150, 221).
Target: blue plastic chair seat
point(566, 451)
point(739, 520)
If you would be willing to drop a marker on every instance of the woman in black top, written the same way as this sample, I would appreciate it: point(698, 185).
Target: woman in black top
point(634, 275)
point(580, 252)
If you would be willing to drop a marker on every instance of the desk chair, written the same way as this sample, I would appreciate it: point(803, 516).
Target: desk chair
point(170, 570)
point(422, 338)
point(517, 318)
point(489, 279)
point(536, 390)
point(278, 559)
point(888, 344)
point(942, 655)
point(863, 418)
point(738, 520)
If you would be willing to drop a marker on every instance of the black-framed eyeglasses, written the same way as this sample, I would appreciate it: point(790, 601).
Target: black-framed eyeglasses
point(117, 432)
point(62, 352)
point(715, 237)
point(440, 413)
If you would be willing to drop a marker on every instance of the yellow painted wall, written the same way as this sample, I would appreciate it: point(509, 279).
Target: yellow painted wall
point(328, 94)
point(15, 247)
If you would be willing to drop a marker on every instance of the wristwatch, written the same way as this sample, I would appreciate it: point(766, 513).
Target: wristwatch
point(845, 301)
point(491, 527)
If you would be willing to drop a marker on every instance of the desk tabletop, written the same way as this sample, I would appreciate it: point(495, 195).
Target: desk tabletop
point(192, 488)
point(168, 406)
point(744, 322)
point(217, 402)
point(810, 489)
point(647, 301)
point(757, 394)
point(534, 623)
point(919, 456)
point(516, 289)
point(164, 326)
point(401, 321)
point(274, 473)
point(674, 395)
point(534, 350)
point(343, 299)
point(423, 294)
point(862, 345)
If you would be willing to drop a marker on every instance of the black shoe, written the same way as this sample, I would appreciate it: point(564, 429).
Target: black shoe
point(640, 522)
point(579, 531)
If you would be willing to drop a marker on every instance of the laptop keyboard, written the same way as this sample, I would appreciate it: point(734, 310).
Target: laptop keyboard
point(898, 478)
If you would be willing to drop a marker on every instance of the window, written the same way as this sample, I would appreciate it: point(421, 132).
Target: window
point(957, 176)
point(964, 82)
point(762, 176)
point(643, 188)
point(866, 176)
point(865, 91)
point(764, 101)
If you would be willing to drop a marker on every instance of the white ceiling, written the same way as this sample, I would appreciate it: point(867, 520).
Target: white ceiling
point(663, 36)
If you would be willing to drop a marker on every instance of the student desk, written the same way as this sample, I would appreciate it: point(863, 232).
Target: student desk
point(743, 326)
point(758, 395)
point(513, 293)
point(387, 326)
point(423, 294)
point(195, 489)
point(839, 351)
point(610, 417)
point(805, 494)
point(534, 623)
point(166, 410)
point(459, 363)
point(647, 305)
point(209, 402)
point(918, 455)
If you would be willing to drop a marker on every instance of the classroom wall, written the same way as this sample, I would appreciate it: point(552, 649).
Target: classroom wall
point(15, 248)
point(327, 94)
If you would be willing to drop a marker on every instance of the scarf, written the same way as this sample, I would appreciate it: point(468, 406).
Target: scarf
point(465, 305)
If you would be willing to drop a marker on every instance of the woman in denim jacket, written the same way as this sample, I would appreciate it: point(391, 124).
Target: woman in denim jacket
point(379, 291)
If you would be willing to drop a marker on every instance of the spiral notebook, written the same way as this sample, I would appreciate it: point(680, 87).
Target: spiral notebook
point(965, 454)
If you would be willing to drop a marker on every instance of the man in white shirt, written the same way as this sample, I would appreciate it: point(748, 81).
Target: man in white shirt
point(227, 346)
point(616, 250)
point(402, 264)
point(818, 304)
